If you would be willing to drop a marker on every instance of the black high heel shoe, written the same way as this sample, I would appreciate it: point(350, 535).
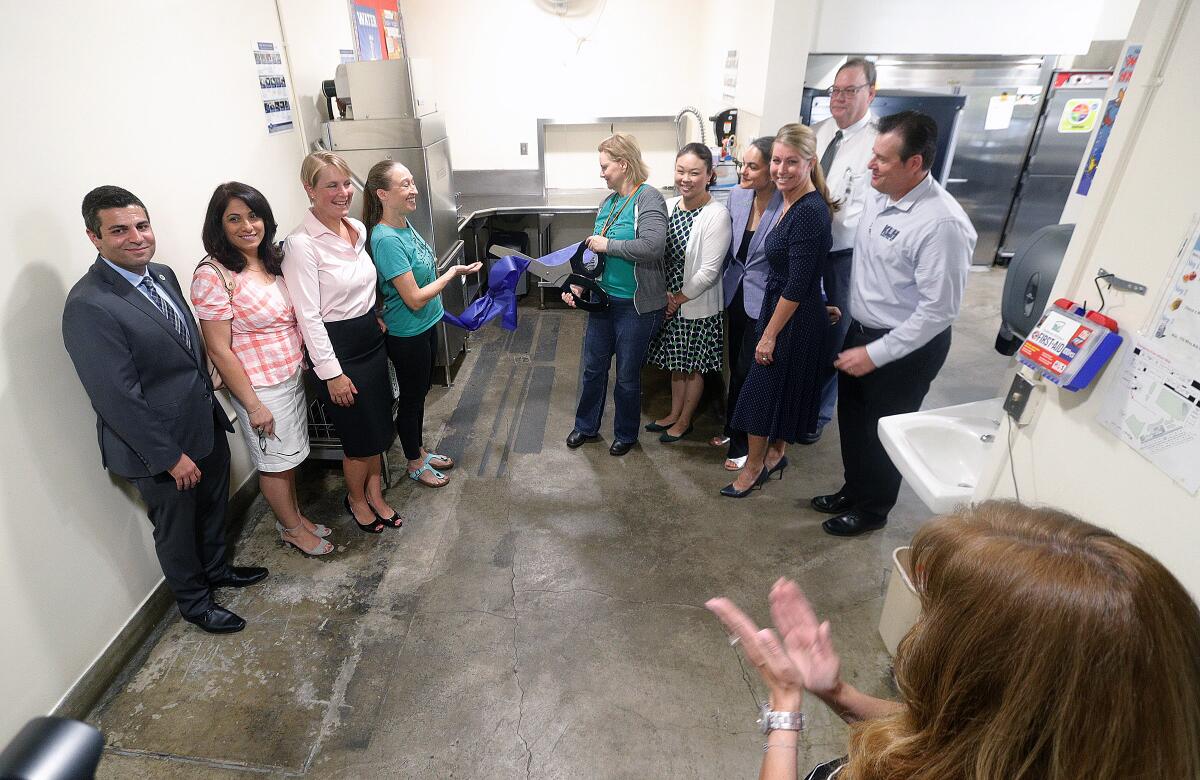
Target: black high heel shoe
point(778, 467)
point(729, 491)
point(375, 527)
point(395, 521)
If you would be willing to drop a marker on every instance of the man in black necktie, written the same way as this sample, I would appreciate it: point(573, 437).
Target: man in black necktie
point(138, 353)
point(844, 142)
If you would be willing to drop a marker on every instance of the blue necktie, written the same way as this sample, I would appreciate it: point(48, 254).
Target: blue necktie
point(166, 309)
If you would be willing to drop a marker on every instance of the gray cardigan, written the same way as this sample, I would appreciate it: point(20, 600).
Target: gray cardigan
point(646, 250)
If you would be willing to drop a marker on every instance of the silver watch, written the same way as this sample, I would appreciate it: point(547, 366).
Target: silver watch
point(769, 720)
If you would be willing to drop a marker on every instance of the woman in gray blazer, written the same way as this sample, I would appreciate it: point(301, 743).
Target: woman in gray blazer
point(755, 202)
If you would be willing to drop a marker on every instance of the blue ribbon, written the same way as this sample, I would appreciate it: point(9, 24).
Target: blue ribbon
point(499, 300)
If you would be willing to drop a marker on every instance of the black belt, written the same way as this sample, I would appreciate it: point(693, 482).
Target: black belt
point(871, 333)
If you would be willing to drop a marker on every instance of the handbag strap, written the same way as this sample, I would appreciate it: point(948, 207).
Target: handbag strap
point(225, 281)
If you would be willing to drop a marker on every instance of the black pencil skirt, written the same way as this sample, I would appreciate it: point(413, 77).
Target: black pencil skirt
point(365, 428)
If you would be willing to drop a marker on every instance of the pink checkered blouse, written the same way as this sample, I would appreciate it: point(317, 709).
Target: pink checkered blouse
point(266, 338)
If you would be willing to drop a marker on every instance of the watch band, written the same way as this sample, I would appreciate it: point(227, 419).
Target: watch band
point(769, 721)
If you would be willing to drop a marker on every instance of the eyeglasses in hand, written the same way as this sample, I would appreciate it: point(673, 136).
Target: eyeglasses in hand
point(262, 445)
point(846, 91)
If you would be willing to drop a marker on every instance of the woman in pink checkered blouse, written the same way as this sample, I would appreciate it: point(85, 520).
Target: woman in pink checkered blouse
point(252, 338)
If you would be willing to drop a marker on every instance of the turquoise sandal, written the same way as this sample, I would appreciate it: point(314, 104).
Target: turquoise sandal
point(415, 476)
point(446, 458)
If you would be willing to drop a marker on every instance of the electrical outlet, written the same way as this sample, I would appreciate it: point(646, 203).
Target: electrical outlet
point(524, 148)
point(1022, 399)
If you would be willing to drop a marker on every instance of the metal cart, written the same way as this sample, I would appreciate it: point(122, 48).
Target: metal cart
point(323, 440)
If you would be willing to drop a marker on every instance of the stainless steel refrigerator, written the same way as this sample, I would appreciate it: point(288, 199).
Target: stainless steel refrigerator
point(1002, 99)
point(1071, 109)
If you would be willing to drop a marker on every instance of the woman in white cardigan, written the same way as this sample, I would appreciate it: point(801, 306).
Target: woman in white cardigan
point(691, 341)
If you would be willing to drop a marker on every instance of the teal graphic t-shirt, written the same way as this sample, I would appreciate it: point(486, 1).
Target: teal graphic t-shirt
point(397, 251)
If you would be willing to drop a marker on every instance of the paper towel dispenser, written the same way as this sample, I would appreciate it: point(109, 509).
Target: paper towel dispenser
point(1030, 277)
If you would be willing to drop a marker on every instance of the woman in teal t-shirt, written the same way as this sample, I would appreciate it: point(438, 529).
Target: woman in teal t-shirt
point(412, 306)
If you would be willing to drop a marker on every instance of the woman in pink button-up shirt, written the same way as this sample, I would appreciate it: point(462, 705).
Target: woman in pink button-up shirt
point(331, 280)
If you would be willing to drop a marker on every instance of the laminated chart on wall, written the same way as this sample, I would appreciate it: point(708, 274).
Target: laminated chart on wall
point(1154, 407)
point(272, 86)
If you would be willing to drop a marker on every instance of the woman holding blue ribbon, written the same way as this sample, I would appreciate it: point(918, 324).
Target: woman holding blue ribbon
point(412, 306)
point(631, 232)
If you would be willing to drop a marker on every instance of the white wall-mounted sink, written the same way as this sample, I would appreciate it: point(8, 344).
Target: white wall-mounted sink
point(941, 452)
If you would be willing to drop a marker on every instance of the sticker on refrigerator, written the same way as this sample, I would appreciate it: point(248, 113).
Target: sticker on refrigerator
point(1079, 115)
point(999, 113)
point(272, 86)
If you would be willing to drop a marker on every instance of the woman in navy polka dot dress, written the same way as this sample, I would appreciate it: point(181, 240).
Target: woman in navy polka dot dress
point(781, 397)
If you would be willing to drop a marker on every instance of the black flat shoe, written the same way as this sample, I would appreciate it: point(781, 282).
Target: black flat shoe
point(853, 524)
point(778, 467)
point(217, 620)
point(667, 438)
point(810, 438)
point(575, 439)
point(375, 527)
point(832, 504)
point(240, 577)
point(654, 427)
point(619, 448)
point(729, 491)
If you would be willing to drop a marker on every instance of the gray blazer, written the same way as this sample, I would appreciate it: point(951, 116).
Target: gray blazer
point(753, 275)
point(153, 397)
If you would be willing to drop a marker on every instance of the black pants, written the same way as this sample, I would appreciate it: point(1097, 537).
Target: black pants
point(872, 481)
point(189, 528)
point(413, 358)
point(741, 356)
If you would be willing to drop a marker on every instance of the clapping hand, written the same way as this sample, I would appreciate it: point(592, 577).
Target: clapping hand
point(803, 660)
point(808, 642)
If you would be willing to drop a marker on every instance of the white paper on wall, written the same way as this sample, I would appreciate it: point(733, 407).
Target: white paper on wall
point(272, 85)
point(1154, 407)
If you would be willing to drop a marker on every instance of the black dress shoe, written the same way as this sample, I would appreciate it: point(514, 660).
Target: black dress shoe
point(240, 577)
point(576, 439)
point(810, 438)
point(832, 504)
point(218, 620)
point(619, 448)
point(853, 524)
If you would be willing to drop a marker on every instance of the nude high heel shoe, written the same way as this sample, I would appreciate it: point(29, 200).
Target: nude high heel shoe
point(322, 547)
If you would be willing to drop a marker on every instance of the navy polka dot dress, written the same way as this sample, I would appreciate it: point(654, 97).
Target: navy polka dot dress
point(781, 400)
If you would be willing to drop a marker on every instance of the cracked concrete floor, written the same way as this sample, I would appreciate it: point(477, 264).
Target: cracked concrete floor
point(539, 617)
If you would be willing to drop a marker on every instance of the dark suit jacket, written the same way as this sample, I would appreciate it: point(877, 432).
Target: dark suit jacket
point(753, 275)
point(153, 397)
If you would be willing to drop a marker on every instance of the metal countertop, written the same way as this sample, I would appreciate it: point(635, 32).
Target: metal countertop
point(553, 202)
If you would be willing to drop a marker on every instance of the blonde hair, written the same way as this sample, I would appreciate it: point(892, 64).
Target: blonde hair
point(804, 140)
point(624, 148)
point(1048, 648)
point(310, 169)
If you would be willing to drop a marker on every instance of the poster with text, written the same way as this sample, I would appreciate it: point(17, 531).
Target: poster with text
point(391, 33)
point(370, 47)
point(1124, 76)
point(272, 87)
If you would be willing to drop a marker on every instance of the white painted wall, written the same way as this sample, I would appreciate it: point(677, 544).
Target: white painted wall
point(1132, 223)
point(315, 30)
point(161, 98)
point(957, 26)
point(499, 66)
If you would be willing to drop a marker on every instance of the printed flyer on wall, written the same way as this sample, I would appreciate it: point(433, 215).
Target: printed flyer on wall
point(1124, 75)
point(272, 85)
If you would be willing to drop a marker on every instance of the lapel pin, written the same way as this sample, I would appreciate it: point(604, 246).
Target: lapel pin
point(162, 277)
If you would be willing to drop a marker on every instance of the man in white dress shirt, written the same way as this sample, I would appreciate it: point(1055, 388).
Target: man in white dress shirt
point(912, 251)
point(844, 143)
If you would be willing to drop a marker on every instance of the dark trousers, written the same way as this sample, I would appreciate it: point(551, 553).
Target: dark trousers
point(742, 341)
point(413, 358)
point(622, 332)
point(189, 528)
point(872, 481)
point(836, 280)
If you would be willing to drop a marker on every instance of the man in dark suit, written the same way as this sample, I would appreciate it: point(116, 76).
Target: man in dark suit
point(138, 353)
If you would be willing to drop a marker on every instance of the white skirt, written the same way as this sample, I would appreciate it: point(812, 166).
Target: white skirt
point(288, 446)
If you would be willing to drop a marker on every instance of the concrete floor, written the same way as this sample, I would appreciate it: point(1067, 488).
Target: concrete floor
point(539, 617)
